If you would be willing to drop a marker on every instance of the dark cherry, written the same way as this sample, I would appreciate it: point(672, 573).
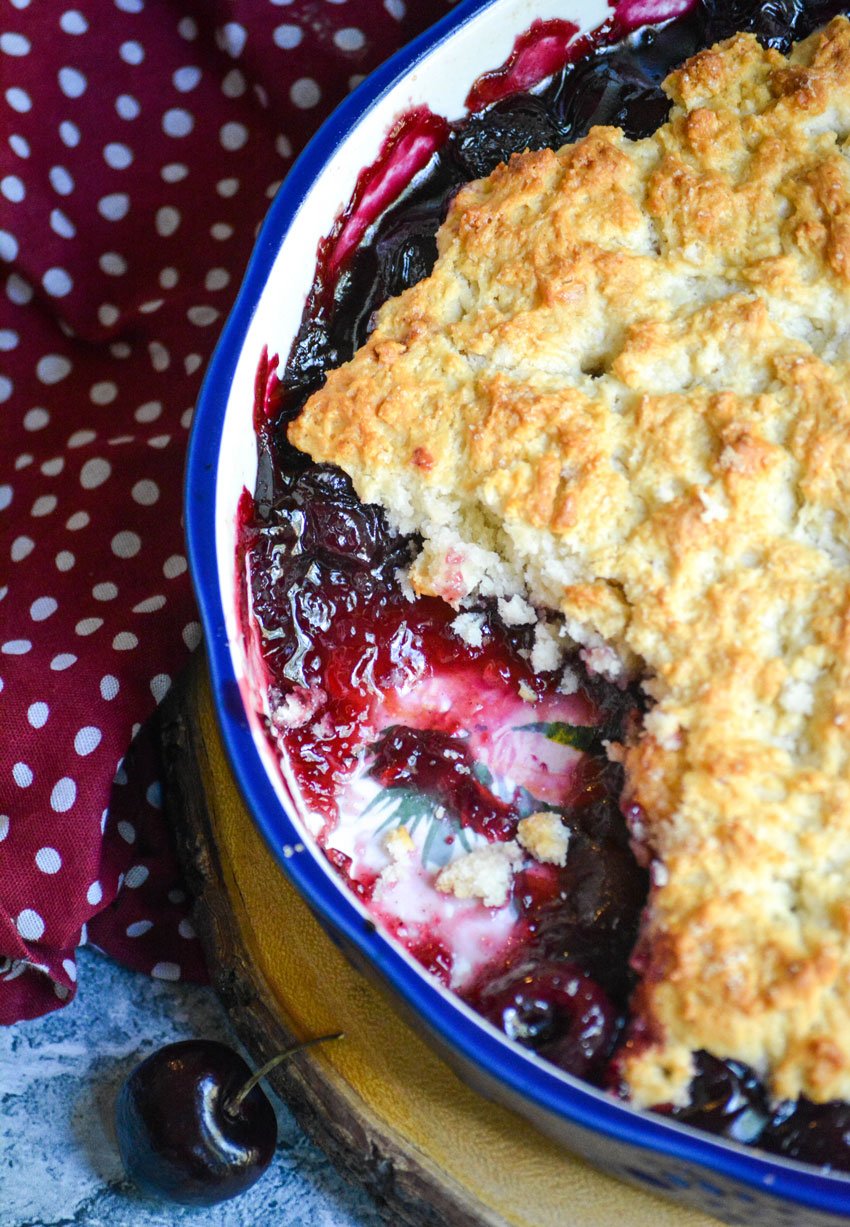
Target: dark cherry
point(180, 1131)
point(776, 23)
point(194, 1125)
point(510, 126)
point(727, 1099)
point(817, 1133)
point(556, 1009)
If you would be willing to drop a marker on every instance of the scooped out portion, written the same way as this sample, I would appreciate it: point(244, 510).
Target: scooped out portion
point(621, 397)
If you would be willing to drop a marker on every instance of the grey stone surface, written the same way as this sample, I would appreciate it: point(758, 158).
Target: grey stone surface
point(59, 1076)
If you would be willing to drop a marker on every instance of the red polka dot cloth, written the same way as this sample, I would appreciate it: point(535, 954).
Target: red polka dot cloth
point(141, 143)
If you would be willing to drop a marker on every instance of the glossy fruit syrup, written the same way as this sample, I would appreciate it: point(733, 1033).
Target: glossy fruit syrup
point(354, 663)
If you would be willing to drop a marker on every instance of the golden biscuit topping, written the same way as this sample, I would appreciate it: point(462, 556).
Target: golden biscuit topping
point(622, 395)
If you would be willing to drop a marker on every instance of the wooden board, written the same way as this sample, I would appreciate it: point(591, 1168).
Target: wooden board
point(386, 1109)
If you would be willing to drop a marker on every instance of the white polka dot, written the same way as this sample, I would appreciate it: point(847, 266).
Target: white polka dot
point(13, 188)
point(88, 626)
point(273, 189)
point(185, 79)
point(131, 52)
point(125, 641)
point(16, 647)
point(217, 279)
point(153, 304)
point(5, 496)
point(113, 263)
point(159, 441)
point(94, 894)
point(227, 187)
point(52, 368)
point(202, 317)
point(174, 566)
point(73, 22)
point(154, 794)
point(8, 339)
point(37, 714)
point(22, 775)
point(120, 349)
point(149, 411)
point(186, 929)
point(130, 6)
point(104, 592)
point(221, 230)
point(287, 36)
point(30, 925)
point(160, 357)
point(396, 8)
point(103, 393)
point(114, 206)
point(72, 82)
point(60, 991)
point(167, 220)
point(178, 122)
point(18, 291)
point(18, 99)
point(233, 85)
point(117, 155)
point(127, 832)
point(187, 28)
point(139, 927)
point(4, 826)
point(233, 136)
point(305, 93)
point(126, 544)
point(232, 38)
point(36, 419)
point(14, 44)
point(64, 795)
point(64, 560)
point(69, 134)
point(191, 363)
point(44, 505)
point(350, 39)
point(23, 460)
point(108, 314)
point(22, 547)
point(52, 468)
point(80, 519)
point(62, 225)
point(109, 687)
point(145, 492)
point(57, 282)
point(8, 246)
point(136, 876)
point(87, 739)
point(166, 971)
point(283, 145)
point(94, 473)
point(160, 686)
point(151, 605)
point(192, 635)
point(61, 181)
point(63, 661)
point(168, 278)
point(173, 172)
point(48, 860)
point(6, 391)
point(43, 608)
point(127, 106)
point(70, 969)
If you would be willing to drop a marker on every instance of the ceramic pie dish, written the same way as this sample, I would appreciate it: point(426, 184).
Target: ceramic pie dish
point(721, 1178)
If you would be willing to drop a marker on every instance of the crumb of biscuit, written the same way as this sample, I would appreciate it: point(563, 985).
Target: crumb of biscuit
point(636, 409)
point(485, 873)
point(399, 844)
point(470, 627)
point(545, 837)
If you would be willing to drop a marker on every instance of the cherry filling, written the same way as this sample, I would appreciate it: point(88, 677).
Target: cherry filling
point(345, 648)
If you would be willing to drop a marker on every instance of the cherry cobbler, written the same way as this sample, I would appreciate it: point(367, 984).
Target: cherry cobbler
point(549, 561)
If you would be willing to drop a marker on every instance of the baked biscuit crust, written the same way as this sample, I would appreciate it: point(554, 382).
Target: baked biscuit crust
point(623, 393)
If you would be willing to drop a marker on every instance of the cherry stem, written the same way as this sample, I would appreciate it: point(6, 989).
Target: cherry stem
point(233, 1104)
